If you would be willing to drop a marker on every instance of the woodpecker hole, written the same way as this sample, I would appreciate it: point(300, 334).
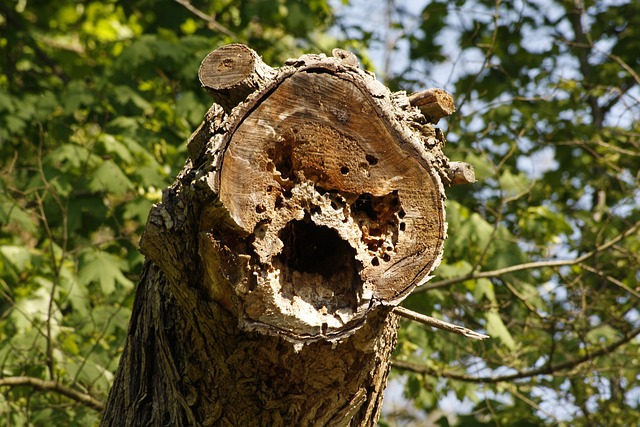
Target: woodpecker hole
point(318, 266)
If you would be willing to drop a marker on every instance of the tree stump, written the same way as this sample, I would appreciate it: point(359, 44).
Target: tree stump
point(312, 204)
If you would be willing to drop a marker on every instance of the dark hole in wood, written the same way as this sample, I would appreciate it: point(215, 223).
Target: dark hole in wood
point(402, 226)
point(372, 160)
point(386, 257)
point(401, 214)
point(309, 248)
point(282, 159)
point(344, 170)
point(319, 267)
point(374, 245)
point(260, 209)
point(364, 204)
point(375, 262)
point(278, 202)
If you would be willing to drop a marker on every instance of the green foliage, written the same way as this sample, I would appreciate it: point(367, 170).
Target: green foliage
point(547, 96)
point(97, 100)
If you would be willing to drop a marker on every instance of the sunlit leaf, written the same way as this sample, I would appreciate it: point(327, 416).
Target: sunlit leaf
point(109, 177)
point(497, 329)
point(102, 268)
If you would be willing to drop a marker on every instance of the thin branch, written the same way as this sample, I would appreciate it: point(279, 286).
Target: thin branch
point(439, 324)
point(623, 64)
point(529, 265)
point(63, 245)
point(522, 298)
point(45, 385)
point(513, 389)
point(613, 280)
point(213, 24)
point(549, 369)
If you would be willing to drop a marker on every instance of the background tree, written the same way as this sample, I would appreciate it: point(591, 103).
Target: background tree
point(98, 98)
point(543, 251)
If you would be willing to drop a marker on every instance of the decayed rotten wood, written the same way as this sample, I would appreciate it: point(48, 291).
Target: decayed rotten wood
point(341, 203)
point(433, 103)
point(308, 209)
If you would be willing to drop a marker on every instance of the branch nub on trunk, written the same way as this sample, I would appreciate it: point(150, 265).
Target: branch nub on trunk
point(231, 73)
point(461, 173)
point(433, 103)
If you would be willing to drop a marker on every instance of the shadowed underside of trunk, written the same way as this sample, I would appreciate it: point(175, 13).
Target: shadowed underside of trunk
point(312, 203)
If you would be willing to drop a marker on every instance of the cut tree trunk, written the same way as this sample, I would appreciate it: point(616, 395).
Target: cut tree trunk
point(312, 204)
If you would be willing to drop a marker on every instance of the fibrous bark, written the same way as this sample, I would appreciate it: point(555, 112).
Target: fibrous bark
point(312, 204)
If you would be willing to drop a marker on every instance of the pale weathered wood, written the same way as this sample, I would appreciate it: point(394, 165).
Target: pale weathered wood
point(312, 203)
point(433, 103)
point(461, 173)
point(439, 324)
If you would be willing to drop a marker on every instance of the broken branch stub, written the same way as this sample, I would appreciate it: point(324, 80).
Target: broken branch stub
point(329, 203)
point(433, 103)
point(231, 73)
point(461, 173)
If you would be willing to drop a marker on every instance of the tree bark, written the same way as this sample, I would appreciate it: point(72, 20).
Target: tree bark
point(311, 204)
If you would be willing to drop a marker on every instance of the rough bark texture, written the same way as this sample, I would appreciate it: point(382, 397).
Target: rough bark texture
point(312, 203)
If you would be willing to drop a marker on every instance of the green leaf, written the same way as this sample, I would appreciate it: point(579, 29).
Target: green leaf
point(77, 95)
point(484, 288)
point(496, 328)
point(513, 184)
point(104, 268)
point(113, 146)
point(457, 269)
point(137, 209)
point(33, 308)
point(12, 213)
point(127, 97)
point(603, 334)
point(110, 178)
point(18, 257)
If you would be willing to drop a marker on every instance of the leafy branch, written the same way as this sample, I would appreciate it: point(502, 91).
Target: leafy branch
point(548, 369)
point(537, 264)
point(213, 24)
point(47, 385)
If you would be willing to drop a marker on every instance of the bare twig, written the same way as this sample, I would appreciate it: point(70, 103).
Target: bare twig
point(440, 324)
point(213, 24)
point(45, 385)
